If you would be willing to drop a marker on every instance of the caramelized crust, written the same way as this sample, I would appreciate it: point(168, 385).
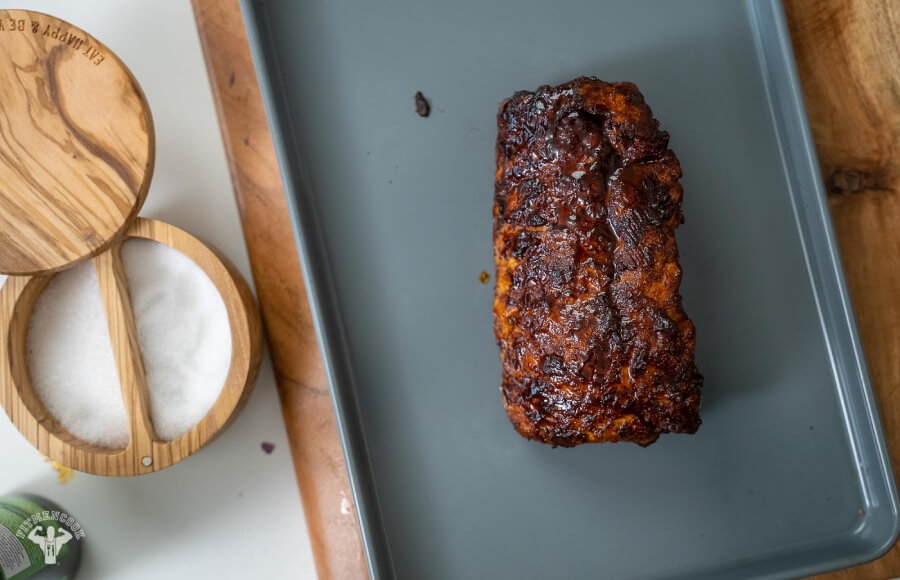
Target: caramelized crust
point(594, 342)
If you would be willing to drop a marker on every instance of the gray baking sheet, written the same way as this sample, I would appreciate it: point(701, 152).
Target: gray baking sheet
point(788, 474)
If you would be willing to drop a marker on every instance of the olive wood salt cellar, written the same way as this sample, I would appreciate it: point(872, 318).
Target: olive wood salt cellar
point(76, 160)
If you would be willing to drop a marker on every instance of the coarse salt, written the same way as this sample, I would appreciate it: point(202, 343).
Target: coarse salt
point(346, 505)
point(71, 360)
point(183, 332)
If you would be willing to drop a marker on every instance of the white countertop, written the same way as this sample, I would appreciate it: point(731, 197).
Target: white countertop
point(229, 511)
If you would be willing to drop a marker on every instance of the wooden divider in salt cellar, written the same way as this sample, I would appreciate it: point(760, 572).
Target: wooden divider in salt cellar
point(76, 160)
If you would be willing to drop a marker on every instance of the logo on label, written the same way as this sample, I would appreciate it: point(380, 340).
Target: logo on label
point(50, 543)
point(50, 531)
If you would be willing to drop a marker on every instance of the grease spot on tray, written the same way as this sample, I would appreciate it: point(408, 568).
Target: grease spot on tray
point(423, 107)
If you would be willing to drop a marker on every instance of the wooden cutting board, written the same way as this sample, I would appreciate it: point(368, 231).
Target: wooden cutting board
point(848, 54)
point(316, 449)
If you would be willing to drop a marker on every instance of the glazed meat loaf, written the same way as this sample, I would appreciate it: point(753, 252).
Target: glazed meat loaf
point(595, 345)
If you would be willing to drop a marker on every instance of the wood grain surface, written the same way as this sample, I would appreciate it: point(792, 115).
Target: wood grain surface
point(848, 53)
point(146, 452)
point(76, 144)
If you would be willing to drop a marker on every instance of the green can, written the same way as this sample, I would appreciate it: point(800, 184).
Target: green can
point(38, 539)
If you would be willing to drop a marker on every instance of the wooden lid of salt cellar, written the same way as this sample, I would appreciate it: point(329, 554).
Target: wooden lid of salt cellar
point(76, 144)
